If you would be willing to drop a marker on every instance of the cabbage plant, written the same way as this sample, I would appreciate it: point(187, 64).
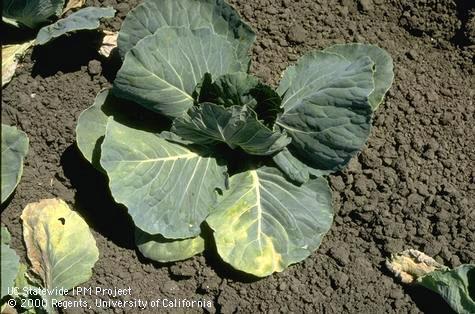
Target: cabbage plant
point(217, 148)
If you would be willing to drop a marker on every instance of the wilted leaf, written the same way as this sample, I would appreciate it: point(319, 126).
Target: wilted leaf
point(87, 18)
point(10, 56)
point(264, 223)
point(31, 13)
point(73, 4)
point(236, 126)
point(60, 246)
point(163, 250)
point(167, 188)
point(10, 263)
point(109, 42)
point(14, 149)
point(326, 108)
point(162, 71)
point(456, 286)
point(412, 264)
point(216, 15)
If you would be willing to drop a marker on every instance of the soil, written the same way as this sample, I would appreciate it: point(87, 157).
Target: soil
point(413, 186)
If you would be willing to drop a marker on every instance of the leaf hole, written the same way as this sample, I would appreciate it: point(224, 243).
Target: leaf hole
point(63, 221)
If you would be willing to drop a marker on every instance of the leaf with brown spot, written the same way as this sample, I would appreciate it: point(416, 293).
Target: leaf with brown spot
point(60, 246)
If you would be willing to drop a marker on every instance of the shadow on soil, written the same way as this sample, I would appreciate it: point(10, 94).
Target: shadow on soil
point(66, 53)
point(94, 201)
point(463, 11)
point(428, 301)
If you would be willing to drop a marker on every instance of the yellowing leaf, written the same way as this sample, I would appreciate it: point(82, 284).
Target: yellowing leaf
point(164, 250)
point(10, 57)
point(60, 246)
point(264, 223)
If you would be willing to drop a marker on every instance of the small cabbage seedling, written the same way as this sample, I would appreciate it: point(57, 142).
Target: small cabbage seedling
point(236, 156)
point(36, 14)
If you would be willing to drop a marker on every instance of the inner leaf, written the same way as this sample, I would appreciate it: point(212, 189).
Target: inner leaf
point(236, 126)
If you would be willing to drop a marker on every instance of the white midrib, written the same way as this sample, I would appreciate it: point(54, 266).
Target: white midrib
point(187, 96)
point(183, 156)
point(255, 179)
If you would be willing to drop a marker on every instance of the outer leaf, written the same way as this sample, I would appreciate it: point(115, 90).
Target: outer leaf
point(326, 108)
point(328, 75)
point(263, 223)
point(165, 250)
point(24, 283)
point(60, 246)
point(31, 13)
point(293, 168)
point(161, 71)
point(456, 286)
point(14, 150)
point(91, 128)
point(5, 236)
point(167, 188)
point(383, 66)
point(236, 126)
point(10, 56)
point(10, 263)
point(87, 18)
point(21, 280)
point(92, 122)
point(215, 15)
